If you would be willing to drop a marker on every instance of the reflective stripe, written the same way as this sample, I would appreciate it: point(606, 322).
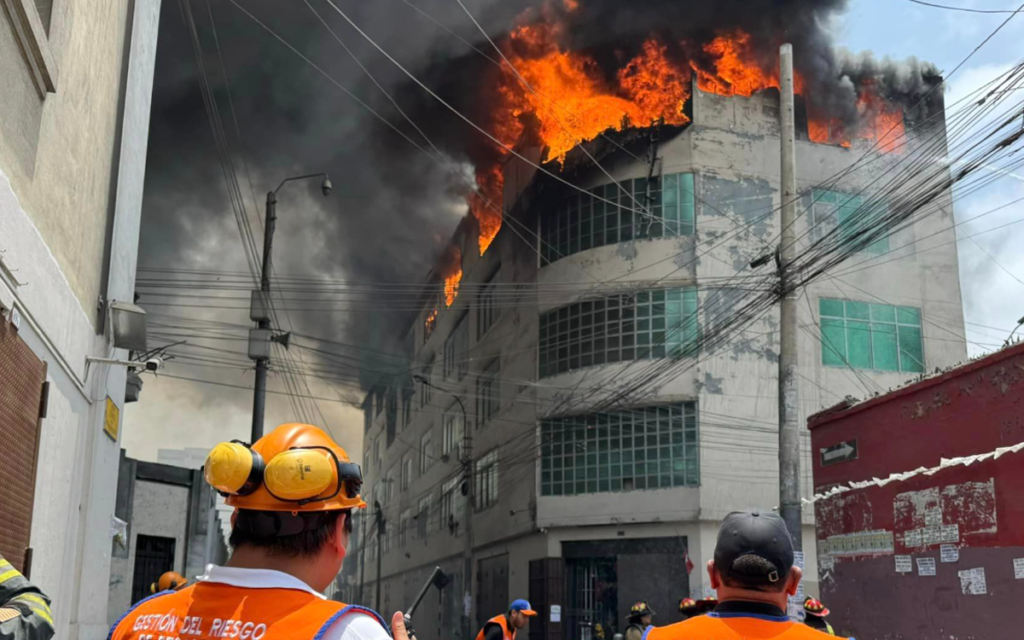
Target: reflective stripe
point(4, 563)
point(8, 614)
point(7, 575)
point(31, 597)
point(43, 614)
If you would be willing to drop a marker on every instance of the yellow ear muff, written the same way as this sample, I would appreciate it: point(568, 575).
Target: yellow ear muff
point(299, 474)
point(233, 468)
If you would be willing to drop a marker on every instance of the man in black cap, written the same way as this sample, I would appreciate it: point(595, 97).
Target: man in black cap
point(754, 576)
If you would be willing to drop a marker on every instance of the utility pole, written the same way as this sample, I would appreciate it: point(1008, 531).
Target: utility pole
point(261, 337)
point(259, 397)
point(380, 549)
point(466, 461)
point(789, 428)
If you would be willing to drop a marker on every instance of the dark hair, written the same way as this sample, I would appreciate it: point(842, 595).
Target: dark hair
point(751, 572)
point(269, 531)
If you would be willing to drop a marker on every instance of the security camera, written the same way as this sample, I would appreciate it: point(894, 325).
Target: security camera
point(326, 187)
point(154, 364)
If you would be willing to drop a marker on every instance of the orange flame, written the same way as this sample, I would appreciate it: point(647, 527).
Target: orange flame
point(451, 287)
point(428, 324)
point(486, 205)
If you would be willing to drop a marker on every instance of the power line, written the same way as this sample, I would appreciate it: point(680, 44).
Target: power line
point(965, 9)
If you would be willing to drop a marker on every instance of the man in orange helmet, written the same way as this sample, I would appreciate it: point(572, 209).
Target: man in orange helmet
point(169, 581)
point(293, 492)
point(754, 575)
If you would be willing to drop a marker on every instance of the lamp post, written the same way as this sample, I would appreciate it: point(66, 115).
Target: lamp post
point(467, 466)
point(260, 338)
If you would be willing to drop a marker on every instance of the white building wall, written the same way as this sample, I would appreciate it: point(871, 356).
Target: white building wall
point(76, 480)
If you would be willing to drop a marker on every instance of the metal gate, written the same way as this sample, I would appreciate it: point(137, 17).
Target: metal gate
point(492, 589)
point(153, 556)
point(22, 405)
point(593, 598)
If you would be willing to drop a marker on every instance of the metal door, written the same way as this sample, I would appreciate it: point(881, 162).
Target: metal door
point(22, 405)
point(153, 557)
point(593, 598)
point(492, 589)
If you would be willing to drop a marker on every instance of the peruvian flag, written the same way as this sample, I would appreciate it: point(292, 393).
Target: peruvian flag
point(689, 563)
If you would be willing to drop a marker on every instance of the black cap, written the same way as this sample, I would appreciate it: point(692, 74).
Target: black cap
point(745, 533)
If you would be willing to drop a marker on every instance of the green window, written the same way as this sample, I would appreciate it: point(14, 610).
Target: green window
point(642, 326)
point(605, 215)
point(871, 336)
point(645, 448)
point(833, 209)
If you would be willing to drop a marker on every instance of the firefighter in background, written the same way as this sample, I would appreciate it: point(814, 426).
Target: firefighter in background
point(24, 609)
point(504, 626)
point(293, 491)
point(816, 614)
point(754, 575)
point(690, 608)
point(640, 616)
point(169, 581)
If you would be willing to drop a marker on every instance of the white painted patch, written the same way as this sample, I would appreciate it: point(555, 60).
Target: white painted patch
point(826, 563)
point(972, 582)
point(933, 516)
point(904, 564)
point(926, 566)
point(970, 507)
point(950, 553)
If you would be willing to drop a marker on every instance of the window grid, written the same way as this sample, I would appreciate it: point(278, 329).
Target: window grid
point(455, 349)
point(422, 516)
point(642, 326)
point(389, 486)
point(425, 389)
point(647, 448)
point(453, 430)
point(386, 537)
point(448, 490)
point(487, 310)
point(406, 408)
point(486, 479)
point(488, 393)
point(426, 450)
point(406, 472)
point(865, 335)
point(604, 216)
point(403, 527)
point(832, 209)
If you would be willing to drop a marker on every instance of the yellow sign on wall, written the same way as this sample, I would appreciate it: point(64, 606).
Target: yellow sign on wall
point(112, 420)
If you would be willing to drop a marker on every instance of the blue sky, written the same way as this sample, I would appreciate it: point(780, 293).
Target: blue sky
point(993, 295)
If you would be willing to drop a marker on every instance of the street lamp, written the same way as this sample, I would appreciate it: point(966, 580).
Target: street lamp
point(260, 309)
point(467, 465)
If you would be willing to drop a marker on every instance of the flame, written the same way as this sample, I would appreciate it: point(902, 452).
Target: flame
point(571, 5)
point(881, 122)
point(451, 287)
point(428, 324)
point(486, 205)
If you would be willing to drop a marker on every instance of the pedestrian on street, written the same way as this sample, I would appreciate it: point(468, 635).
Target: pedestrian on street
point(815, 616)
point(640, 617)
point(293, 492)
point(24, 609)
point(754, 576)
point(504, 626)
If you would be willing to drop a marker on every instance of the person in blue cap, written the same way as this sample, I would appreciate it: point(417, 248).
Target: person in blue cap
point(504, 626)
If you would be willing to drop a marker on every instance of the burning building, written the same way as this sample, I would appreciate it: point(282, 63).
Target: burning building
point(564, 353)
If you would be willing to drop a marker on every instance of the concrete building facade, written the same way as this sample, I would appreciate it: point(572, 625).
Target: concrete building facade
point(74, 120)
point(609, 433)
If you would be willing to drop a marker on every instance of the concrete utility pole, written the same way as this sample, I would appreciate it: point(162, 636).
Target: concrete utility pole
point(261, 337)
point(789, 428)
point(259, 397)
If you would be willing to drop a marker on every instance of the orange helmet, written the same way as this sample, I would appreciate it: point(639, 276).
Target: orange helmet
point(686, 604)
point(294, 468)
point(170, 580)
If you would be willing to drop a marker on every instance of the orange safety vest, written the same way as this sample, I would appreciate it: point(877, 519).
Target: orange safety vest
point(214, 611)
point(735, 626)
point(503, 623)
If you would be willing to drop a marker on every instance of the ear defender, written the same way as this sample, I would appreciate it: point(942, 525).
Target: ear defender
point(299, 475)
point(234, 469)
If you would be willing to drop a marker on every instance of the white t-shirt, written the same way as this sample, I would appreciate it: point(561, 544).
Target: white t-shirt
point(355, 626)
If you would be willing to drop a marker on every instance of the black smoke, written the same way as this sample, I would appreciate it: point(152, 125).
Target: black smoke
point(393, 208)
